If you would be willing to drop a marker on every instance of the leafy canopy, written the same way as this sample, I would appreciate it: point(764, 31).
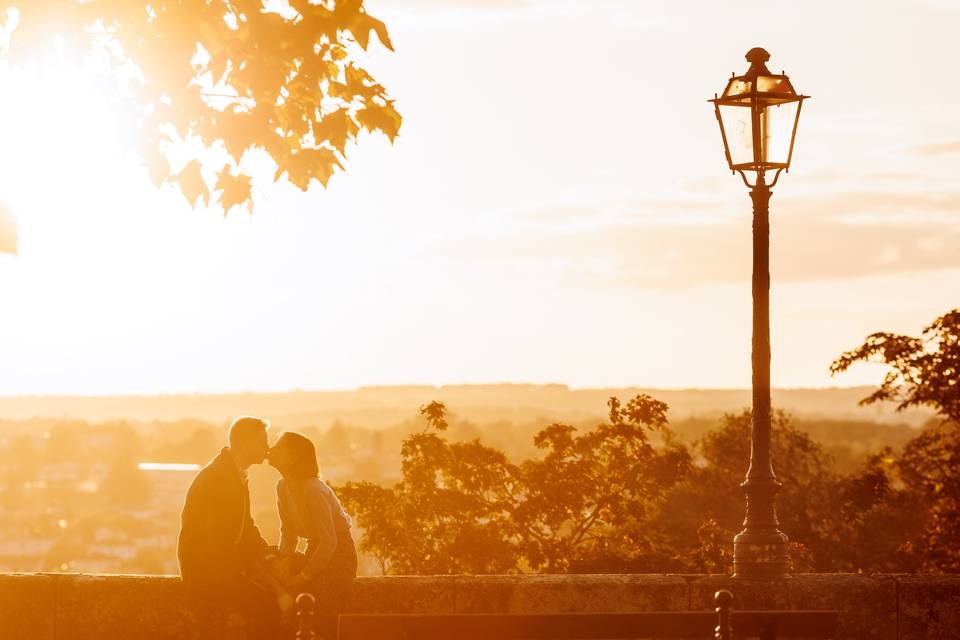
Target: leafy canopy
point(463, 507)
point(626, 496)
point(923, 370)
point(277, 76)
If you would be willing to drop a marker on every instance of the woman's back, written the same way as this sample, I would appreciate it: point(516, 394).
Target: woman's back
point(310, 509)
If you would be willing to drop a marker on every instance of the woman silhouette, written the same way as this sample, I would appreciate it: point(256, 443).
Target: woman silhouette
point(310, 510)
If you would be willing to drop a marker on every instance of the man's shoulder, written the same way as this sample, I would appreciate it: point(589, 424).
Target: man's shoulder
point(216, 471)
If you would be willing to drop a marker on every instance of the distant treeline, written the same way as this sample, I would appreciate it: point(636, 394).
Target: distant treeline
point(384, 407)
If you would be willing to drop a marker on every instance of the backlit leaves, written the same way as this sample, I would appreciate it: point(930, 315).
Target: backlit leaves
point(922, 371)
point(310, 164)
point(235, 189)
point(380, 118)
point(337, 128)
point(436, 415)
point(192, 184)
point(238, 75)
point(363, 24)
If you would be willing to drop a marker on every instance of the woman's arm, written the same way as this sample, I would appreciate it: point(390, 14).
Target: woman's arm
point(288, 533)
point(323, 534)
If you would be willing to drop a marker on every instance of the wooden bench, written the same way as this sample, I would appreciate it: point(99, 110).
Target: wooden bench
point(723, 625)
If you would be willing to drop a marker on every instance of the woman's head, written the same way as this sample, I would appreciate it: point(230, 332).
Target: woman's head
point(294, 456)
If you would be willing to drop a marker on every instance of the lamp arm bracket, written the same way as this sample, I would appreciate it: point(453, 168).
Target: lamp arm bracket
point(776, 177)
point(745, 181)
point(743, 176)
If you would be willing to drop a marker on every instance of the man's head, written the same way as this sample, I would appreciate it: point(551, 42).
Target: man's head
point(248, 440)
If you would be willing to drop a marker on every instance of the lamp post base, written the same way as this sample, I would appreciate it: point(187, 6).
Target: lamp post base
point(761, 556)
point(760, 551)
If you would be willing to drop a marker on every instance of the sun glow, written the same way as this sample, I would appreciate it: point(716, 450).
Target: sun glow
point(65, 135)
point(509, 234)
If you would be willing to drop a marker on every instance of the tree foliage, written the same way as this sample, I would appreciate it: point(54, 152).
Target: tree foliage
point(626, 496)
point(929, 473)
point(707, 507)
point(237, 75)
point(463, 507)
point(923, 483)
point(924, 371)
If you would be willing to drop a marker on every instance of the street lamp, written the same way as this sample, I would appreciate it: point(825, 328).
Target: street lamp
point(758, 114)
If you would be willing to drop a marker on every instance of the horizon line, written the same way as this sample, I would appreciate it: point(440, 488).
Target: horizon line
point(374, 387)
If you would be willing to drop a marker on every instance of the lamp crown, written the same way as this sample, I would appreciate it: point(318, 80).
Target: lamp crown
point(757, 57)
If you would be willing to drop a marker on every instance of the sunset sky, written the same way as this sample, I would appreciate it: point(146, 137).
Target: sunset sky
point(556, 209)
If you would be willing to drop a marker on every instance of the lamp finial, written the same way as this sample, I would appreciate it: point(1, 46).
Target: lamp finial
point(757, 57)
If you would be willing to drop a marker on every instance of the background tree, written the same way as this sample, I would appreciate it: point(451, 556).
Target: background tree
point(704, 511)
point(928, 472)
point(587, 501)
point(463, 507)
point(923, 371)
point(449, 514)
point(625, 496)
point(235, 75)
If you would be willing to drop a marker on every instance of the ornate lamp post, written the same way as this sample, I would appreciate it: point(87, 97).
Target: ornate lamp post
point(758, 114)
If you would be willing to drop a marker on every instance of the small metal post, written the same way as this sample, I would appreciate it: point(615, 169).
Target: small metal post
point(723, 599)
point(305, 606)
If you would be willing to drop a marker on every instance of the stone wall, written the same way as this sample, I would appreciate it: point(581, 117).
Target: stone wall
point(99, 607)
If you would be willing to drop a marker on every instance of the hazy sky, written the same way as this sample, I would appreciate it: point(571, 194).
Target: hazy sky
point(556, 209)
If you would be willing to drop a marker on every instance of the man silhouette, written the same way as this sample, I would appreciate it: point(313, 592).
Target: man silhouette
point(221, 553)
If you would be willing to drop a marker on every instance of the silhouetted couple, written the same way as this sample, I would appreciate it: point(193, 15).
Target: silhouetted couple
point(225, 561)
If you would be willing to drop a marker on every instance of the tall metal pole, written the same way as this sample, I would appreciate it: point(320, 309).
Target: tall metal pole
point(760, 550)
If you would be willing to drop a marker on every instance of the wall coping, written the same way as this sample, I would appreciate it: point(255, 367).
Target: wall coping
point(45, 606)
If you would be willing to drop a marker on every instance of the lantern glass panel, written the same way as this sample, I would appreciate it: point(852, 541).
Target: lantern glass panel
point(738, 87)
point(775, 84)
point(737, 129)
point(776, 127)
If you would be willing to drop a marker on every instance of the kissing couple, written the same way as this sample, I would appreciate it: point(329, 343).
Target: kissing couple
point(224, 560)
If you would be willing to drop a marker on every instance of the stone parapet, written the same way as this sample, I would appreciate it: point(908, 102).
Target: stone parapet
point(99, 607)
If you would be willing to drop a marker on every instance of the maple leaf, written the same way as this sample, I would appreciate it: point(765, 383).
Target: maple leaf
point(380, 118)
point(303, 88)
point(361, 27)
point(336, 128)
point(239, 131)
point(339, 90)
point(192, 184)
point(309, 164)
point(235, 190)
point(381, 30)
point(361, 83)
